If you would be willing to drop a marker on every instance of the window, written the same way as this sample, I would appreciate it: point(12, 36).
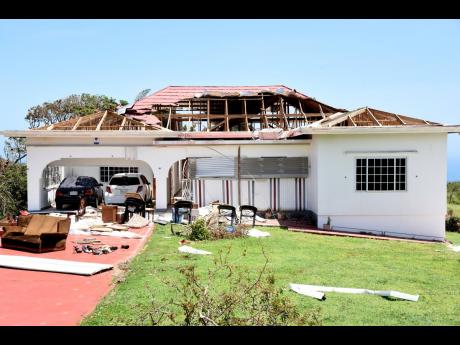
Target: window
point(381, 174)
point(108, 172)
point(124, 181)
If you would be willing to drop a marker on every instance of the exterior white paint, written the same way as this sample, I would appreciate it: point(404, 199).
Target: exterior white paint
point(419, 211)
point(159, 158)
point(330, 187)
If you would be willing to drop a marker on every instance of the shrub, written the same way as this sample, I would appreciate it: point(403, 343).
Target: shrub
point(221, 231)
point(197, 231)
point(244, 299)
point(453, 224)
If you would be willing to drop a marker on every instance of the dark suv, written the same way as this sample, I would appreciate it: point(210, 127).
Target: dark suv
point(79, 191)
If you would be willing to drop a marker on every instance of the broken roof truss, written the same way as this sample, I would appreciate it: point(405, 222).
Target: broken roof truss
point(248, 109)
point(101, 121)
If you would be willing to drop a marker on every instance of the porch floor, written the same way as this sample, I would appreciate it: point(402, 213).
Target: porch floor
point(34, 298)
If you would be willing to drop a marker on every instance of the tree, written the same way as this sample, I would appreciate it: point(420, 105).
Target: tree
point(59, 110)
point(15, 149)
point(13, 187)
point(123, 102)
point(68, 108)
point(141, 94)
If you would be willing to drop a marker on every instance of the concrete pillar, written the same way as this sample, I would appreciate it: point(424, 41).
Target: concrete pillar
point(35, 168)
point(161, 190)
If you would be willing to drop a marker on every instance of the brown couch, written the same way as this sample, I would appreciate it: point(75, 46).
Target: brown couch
point(37, 233)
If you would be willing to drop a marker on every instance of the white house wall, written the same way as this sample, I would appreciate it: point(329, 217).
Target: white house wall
point(158, 157)
point(288, 194)
point(417, 212)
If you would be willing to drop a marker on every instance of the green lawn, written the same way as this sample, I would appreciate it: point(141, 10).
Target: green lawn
point(429, 270)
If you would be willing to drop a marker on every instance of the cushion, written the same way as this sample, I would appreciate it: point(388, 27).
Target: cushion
point(28, 239)
point(40, 223)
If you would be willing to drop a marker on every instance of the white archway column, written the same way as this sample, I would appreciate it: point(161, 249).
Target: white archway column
point(35, 166)
point(161, 180)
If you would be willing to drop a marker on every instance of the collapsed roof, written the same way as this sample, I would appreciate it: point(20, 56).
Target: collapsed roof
point(252, 108)
point(103, 120)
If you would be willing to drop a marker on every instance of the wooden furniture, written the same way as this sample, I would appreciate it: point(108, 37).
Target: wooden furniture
point(109, 213)
point(37, 233)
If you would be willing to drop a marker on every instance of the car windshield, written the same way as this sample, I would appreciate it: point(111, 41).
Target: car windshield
point(124, 181)
point(73, 181)
point(82, 181)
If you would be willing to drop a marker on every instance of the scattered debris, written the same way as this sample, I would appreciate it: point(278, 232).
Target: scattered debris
point(307, 292)
point(190, 250)
point(306, 289)
point(205, 210)
point(52, 265)
point(257, 233)
point(160, 220)
point(137, 221)
point(101, 229)
point(454, 248)
point(122, 234)
point(260, 219)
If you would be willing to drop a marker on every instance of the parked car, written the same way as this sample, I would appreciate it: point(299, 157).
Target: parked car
point(123, 183)
point(79, 191)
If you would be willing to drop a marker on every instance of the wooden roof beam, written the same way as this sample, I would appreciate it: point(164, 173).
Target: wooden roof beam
point(374, 119)
point(321, 111)
point(351, 119)
point(74, 128)
point(98, 128)
point(399, 119)
point(122, 124)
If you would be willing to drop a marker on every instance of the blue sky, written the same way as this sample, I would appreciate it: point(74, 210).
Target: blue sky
point(410, 67)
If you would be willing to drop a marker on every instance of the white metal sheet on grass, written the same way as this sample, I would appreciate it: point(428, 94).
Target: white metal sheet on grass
point(52, 265)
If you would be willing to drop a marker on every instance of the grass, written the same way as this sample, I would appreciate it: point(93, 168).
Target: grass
point(430, 270)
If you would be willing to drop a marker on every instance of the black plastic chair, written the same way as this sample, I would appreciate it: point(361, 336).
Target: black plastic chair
point(133, 205)
point(248, 211)
point(186, 207)
point(227, 211)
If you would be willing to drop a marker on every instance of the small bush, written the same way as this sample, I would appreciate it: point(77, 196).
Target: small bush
point(197, 231)
point(453, 224)
point(247, 299)
point(221, 232)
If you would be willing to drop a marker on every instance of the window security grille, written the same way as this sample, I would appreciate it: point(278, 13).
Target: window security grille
point(381, 174)
point(106, 173)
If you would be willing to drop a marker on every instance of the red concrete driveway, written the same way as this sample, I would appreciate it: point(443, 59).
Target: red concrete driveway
point(57, 299)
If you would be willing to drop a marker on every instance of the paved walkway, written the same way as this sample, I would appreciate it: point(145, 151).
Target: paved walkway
point(47, 298)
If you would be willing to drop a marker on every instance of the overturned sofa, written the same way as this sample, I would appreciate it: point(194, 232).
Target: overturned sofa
point(37, 233)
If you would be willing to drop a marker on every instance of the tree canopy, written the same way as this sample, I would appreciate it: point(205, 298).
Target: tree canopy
point(69, 107)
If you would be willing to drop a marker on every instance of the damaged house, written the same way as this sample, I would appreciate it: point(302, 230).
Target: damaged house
point(361, 170)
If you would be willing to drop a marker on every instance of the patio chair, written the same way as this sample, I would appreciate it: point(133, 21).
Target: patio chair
point(133, 204)
point(227, 211)
point(248, 211)
point(181, 208)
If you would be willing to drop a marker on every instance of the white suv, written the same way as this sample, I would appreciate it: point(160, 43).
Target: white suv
point(123, 183)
